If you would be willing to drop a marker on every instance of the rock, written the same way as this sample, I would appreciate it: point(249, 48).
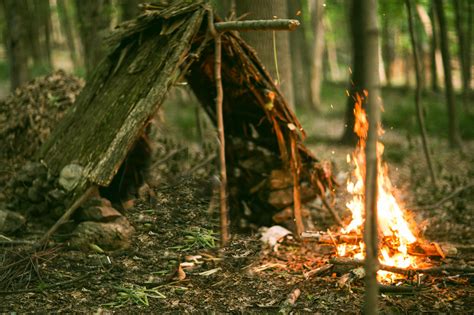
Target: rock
point(280, 179)
point(99, 214)
point(10, 221)
point(70, 176)
point(56, 194)
point(287, 215)
point(112, 235)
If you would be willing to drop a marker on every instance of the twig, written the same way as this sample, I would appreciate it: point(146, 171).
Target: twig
point(66, 215)
point(258, 25)
point(334, 214)
point(443, 200)
point(317, 271)
point(201, 164)
point(408, 272)
point(36, 290)
point(224, 213)
point(16, 242)
point(167, 157)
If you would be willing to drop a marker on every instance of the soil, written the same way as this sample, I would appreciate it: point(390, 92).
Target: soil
point(177, 225)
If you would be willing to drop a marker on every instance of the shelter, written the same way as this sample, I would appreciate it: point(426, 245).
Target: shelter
point(147, 56)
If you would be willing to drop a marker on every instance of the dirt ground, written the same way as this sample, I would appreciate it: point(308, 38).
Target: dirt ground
point(180, 225)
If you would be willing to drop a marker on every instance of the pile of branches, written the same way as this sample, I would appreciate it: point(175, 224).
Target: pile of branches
point(28, 114)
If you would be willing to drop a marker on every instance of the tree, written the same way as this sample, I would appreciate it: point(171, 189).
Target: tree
point(460, 9)
point(358, 63)
point(94, 18)
point(453, 129)
point(16, 41)
point(273, 48)
point(300, 56)
point(419, 109)
point(317, 13)
point(65, 18)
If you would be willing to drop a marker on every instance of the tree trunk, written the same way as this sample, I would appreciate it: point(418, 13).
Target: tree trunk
point(128, 9)
point(388, 48)
point(331, 51)
point(358, 63)
point(65, 18)
point(300, 58)
point(16, 41)
point(318, 50)
point(434, 50)
point(371, 83)
point(273, 48)
point(460, 8)
point(94, 20)
point(419, 109)
point(454, 137)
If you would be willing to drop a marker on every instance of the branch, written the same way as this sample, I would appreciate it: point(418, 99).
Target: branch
point(258, 25)
point(407, 272)
point(443, 200)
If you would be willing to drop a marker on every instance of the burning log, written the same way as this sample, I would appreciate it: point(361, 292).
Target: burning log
point(354, 263)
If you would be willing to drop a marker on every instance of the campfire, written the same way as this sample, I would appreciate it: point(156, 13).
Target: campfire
point(398, 236)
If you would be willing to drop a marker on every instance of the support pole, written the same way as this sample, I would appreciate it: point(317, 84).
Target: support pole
point(224, 211)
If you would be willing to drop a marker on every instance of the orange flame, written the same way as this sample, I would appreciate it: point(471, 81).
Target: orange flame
point(394, 229)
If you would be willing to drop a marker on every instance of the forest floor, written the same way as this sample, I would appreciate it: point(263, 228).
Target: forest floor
point(179, 224)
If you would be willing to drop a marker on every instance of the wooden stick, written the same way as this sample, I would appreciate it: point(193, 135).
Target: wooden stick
point(66, 215)
point(408, 272)
point(295, 168)
point(443, 200)
point(334, 214)
point(224, 213)
point(317, 271)
point(258, 25)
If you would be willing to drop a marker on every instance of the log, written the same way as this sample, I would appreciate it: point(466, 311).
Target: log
point(258, 25)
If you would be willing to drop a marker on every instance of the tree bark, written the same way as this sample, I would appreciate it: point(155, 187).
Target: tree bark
point(419, 109)
point(273, 48)
point(94, 20)
point(460, 8)
point(453, 131)
point(16, 41)
point(372, 84)
point(358, 63)
point(318, 50)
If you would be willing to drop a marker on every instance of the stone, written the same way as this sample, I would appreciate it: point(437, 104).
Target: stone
point(112, 235)
point(10, 221)
point(70, 176)
point(34, 195)
point(98, 214)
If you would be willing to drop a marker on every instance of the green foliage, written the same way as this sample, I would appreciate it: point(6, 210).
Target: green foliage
point(197, 238)
point(130, 294)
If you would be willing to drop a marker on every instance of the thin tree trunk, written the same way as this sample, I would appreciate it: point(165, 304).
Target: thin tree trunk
point(358, 63)
point(94, 20)
point(454, 137)
point(419, 109)
point(459, 9)
point(317, 62)
point(436, 69)
point(372, 84)
point(273, 48)
point(388, 48)
point(66, 27)
point(331, 51)
point(16, 41)
point(300, 59)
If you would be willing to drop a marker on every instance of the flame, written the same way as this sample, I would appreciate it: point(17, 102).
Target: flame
point(395, 232)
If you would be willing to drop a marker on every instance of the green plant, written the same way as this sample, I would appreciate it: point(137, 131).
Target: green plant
point(197, 238)
point(134, 294)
